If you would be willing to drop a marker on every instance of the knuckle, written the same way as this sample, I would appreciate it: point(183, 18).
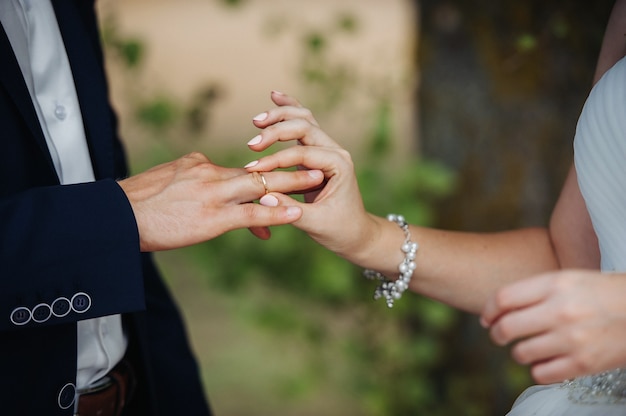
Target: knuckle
point(307, 113)
point(345, 154)
point(251, 212)
point(569, 312)
point(346, 157)
point(302, 124)
point(197, 156)
point(562, 282)
point(203, 169)
point(582, 363)
point(254, 177)
point(502, 299)
point(577, 337)
point(190, 160)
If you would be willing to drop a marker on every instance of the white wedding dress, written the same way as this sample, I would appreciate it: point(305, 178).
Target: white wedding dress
point(600, 160)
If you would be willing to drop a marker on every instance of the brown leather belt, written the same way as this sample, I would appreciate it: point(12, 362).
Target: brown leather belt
point(109, 396)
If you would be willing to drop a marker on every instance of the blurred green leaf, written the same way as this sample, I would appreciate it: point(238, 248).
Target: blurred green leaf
point(315, 42)
point(233, 3)
point(158, 113)
point(132, 51)
point(526, 42)
point(348, 23)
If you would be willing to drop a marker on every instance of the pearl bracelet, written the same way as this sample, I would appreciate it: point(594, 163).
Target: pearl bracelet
point(392, 290)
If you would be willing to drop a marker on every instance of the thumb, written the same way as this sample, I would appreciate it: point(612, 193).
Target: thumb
point(277, 199)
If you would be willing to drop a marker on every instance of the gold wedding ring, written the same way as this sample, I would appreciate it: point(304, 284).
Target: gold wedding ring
point(259, 177)
point(267, 190)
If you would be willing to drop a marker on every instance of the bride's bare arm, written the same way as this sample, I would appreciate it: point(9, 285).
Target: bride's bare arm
point(575, 242)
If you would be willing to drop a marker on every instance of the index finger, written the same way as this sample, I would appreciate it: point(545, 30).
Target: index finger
point(287, 108)
point(298, 129)
point(317, 159)
point(281, 99)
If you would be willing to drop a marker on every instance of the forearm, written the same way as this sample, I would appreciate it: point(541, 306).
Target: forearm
point(457, 268)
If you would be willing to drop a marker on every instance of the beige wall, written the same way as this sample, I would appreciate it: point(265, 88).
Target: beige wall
point(192, 43)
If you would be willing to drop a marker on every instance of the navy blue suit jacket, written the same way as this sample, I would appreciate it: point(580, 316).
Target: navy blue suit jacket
point(72, 252)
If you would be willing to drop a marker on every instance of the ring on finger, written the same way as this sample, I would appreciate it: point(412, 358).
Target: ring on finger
point(267, 190)
point(259, 177)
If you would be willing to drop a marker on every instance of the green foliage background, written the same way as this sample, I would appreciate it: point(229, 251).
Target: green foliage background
point(421, 357)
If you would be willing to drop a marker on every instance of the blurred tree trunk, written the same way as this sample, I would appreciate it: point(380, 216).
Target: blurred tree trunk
point(501, 86)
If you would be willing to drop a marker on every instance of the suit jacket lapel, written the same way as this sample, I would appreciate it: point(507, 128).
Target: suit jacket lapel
point(12, 80)
point(89, 78)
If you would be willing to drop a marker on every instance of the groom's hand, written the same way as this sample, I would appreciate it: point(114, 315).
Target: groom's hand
point(190, 200)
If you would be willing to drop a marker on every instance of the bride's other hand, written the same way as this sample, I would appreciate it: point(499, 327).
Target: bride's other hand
point(334, 214)
point(563, 324)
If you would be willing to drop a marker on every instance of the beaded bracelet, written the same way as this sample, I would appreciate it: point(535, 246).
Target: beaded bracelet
point(392, 290)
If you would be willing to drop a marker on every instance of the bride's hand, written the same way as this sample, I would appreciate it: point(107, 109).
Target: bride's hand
point(334, 215)
point(564, 324)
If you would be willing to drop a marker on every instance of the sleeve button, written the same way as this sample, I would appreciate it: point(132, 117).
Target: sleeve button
point(81, 302)
point(61, 307)
point(20, 315)
point(41, 313)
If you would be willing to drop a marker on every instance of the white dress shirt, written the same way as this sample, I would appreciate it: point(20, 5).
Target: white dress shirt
point(32, 29)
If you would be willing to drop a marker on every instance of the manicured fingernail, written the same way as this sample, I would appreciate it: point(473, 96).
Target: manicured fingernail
point(255, 140)
point(251, 164)
point(277, 92)
point(268, 200)
point(260, 117)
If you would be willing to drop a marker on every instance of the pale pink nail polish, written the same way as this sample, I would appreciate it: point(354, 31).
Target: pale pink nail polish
point(260, 117)
point(251, 164)
point(255, 140)
point(268, 201)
